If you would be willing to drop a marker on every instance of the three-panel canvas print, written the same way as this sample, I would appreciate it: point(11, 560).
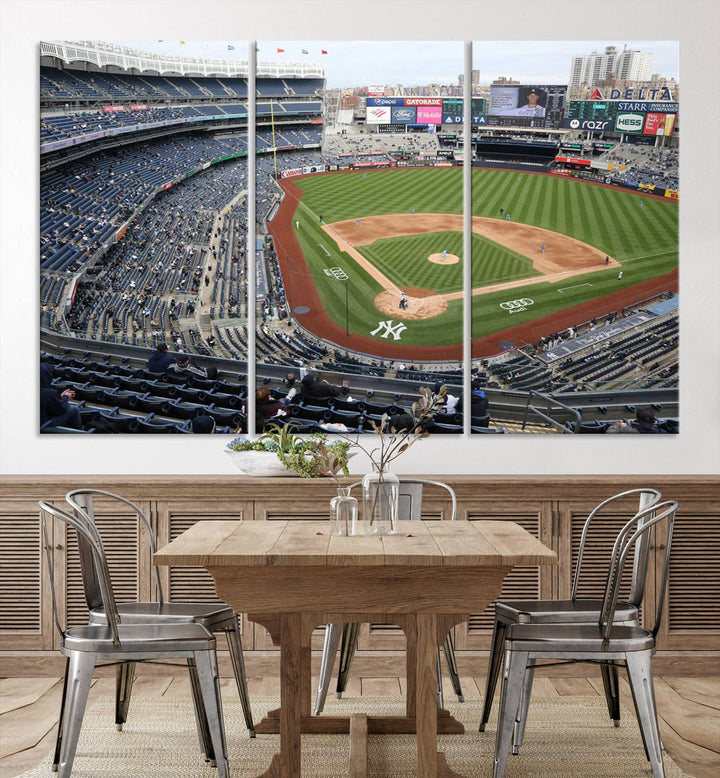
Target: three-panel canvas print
point(331, 236)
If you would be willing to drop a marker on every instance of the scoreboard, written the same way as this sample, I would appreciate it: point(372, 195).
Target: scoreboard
point(420, 111)
point(644, 116)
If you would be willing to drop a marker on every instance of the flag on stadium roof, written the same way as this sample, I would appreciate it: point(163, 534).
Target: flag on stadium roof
point(322, 51)
point(182, 43)
point(305, 51)
point(281, 51)
point(230, 48)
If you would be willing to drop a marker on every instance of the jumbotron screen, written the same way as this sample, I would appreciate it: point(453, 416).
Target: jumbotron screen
point(528, 105)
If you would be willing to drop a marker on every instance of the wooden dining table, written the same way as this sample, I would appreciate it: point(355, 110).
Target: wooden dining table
point(292, 576)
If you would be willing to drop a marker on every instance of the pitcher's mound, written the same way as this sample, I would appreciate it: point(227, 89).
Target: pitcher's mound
point(418, 307)
point(439, 259)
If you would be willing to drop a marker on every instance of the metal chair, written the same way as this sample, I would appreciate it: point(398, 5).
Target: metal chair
point(576, 610)
point(216, 617)
point(114, 642)
point(600, 643)
point(345, 635)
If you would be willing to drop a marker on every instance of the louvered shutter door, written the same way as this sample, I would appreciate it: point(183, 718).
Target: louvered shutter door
point(122, 549)
point(521, 582)
point(596, 558)
point(692, 609)
point(189, 584)
point(25, 604)
point(195, 584)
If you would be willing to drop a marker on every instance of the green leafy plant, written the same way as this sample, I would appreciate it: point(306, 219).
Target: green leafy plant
point(309, 457)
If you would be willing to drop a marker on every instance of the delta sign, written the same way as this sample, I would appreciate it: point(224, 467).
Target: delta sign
point(641, 93)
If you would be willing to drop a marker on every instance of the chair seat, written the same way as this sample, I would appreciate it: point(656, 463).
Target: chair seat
point(144, 638)
point(558, 638)
point(559, 611)
point(209, 614)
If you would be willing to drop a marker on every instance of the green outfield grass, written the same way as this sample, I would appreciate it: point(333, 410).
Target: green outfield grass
point(404, 261)
point(643, 239)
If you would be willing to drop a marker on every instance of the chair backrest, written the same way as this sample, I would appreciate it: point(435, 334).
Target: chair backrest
point(646, 499)
point(88, 537)
point(637, 530)
point(411, 494)
point(82, 503)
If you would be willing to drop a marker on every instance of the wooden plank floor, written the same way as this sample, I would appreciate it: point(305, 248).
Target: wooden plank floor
point(689, 710)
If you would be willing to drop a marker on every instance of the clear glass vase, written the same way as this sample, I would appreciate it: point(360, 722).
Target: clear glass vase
point(380, 491)
point(344, 513)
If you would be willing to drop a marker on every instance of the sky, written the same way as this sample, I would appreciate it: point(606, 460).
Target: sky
point(413, 63)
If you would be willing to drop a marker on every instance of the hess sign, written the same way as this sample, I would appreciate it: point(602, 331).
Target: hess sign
point(629, 122)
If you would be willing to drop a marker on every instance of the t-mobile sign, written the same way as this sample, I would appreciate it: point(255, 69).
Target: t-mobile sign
point(429, 114)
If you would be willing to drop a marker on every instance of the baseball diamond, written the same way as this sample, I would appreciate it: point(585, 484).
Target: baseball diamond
point(387, 230)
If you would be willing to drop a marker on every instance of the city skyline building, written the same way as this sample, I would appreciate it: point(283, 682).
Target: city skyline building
point(625, 65)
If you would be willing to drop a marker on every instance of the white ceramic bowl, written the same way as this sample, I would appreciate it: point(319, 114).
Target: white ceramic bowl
point(259, 463)
point(263, 464)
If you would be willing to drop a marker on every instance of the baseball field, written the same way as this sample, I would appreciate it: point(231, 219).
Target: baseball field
point(360, 249)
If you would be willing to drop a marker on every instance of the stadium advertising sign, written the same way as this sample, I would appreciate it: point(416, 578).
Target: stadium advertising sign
point(291, 172)
point(529, 102)
point(574, 161)
point(380, 114)
point(647, 107)
point(641, 94)
point(139, 107)
point(659, 124)
point(429, 114)
point(376, 90)
point(374, 101)
point(588, 124)
point(403, 115)
point(629, 122)
point(113, 108)
point(422, 101)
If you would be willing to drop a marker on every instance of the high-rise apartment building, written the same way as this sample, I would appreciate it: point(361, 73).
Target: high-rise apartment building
point(627, 65)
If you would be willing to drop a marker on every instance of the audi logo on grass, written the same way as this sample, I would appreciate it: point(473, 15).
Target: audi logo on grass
point(515, 306)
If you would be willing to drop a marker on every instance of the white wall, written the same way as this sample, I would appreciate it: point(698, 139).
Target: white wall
point(696, 23)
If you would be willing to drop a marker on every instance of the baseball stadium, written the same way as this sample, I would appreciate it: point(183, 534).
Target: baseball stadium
point(358, 257)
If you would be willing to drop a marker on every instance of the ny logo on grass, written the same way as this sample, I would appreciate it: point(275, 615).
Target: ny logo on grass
point(390, 329)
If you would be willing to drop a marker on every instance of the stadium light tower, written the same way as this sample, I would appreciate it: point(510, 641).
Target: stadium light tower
point(347, 307)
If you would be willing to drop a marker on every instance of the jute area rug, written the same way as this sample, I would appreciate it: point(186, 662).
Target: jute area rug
point(567, 737)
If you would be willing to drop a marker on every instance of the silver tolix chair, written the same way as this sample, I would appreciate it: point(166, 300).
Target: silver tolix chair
point(345, 636)
point(576, 610)
point(216, 617)
point(603, 642)
point(115, 642)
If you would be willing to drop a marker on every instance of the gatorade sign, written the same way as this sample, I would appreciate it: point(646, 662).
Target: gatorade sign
point(629, 122)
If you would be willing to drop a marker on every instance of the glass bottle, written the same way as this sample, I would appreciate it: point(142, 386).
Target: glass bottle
point(380, 492)
point(344, 512)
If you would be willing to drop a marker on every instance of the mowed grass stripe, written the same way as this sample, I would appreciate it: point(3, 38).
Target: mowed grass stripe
point(493, 263)
point(405, 260)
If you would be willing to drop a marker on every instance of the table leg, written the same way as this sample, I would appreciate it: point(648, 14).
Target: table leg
point(294, 694)
point(425, 694)
point(430, 631)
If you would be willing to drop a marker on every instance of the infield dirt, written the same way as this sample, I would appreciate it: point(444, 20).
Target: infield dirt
point(562, 258)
